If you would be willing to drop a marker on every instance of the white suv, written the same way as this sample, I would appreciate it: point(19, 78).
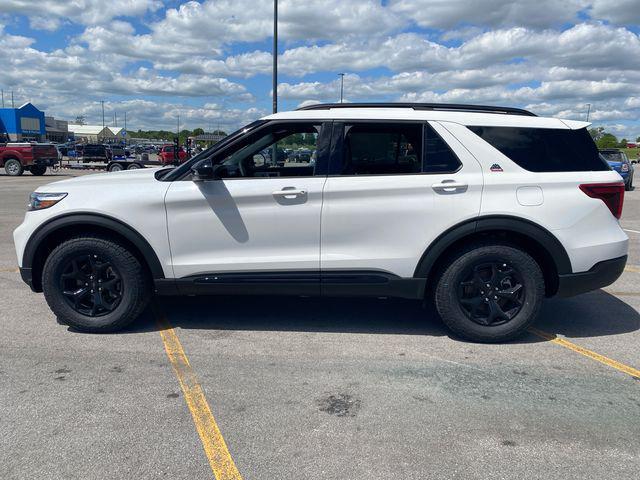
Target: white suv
point(485, 210)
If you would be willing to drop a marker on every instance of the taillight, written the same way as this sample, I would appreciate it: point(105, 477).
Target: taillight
point(612, 194)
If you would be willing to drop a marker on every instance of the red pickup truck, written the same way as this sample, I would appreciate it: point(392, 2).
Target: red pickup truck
point(167, 155)
point(34, 157)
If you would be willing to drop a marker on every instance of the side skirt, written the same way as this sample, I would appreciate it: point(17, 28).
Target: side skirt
point(328, 283)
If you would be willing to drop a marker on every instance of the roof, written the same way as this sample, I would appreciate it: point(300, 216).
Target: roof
point(115, 130)
point(463, 114)
point(89, 129)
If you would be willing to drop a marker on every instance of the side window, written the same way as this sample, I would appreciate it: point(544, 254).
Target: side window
point(281, 150)
point(545, 149)
point(439, 158)
point(382, 149)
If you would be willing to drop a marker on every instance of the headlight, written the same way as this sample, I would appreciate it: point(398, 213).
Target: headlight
point(624, 167)
point(39, 201)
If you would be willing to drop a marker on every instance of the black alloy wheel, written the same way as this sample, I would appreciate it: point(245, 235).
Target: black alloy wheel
point(491, 293)
point(91, 285)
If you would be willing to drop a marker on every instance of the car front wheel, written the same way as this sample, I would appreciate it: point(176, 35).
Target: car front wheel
point(13, 167)
point(490, 293)
point(94, 284)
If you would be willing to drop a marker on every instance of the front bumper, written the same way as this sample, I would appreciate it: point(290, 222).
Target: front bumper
point(27, 277)
point(600, 275)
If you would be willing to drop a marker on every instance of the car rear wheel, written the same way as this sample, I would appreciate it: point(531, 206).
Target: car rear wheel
point(490, 293)
point(94, 284)
point(13, 167)
point(38, 170)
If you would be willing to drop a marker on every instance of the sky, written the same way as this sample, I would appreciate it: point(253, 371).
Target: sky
point(210, 61)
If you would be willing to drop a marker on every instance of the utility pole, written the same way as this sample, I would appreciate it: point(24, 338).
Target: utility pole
point(2, 98)
point(102, 103)
point(588, 110)
point(12, 104)
point(125, 128)
point(341, 85)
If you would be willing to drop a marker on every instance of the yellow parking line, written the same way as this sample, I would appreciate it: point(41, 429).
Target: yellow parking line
point(12, 270)
point(632, 268)
point(587, 353)
point(214, 445)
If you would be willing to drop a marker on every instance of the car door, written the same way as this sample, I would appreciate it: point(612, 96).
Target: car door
point(259, 221)
point(393, 188)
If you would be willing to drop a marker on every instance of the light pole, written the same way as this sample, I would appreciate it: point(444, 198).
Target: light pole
point(588, 110)
point(102, 103)
point(274, 148)
point(275, 56)
point(341, 85)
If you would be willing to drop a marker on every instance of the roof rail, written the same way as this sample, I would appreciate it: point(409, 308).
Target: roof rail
point(452, 107)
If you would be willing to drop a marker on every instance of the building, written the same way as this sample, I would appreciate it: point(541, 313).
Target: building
point(119, 133)
point(56, 130)
point(23, 124)
point(92, 133)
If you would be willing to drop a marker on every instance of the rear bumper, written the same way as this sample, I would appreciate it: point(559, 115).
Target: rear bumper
point(47, 162)
point(600, 275)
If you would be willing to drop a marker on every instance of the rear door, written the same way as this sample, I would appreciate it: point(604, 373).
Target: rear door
point(392, 189)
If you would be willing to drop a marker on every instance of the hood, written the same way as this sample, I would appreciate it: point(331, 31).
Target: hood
point(101, 180)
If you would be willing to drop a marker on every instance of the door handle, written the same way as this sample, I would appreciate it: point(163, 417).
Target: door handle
point(450, 186)
point(289, 193)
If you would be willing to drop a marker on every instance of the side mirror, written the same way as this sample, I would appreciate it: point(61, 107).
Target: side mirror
point(205, 170)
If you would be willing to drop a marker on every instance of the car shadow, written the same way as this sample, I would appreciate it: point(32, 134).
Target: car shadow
point(590, 315)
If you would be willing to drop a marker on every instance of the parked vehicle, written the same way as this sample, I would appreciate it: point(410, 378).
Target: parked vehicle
point(30, 156)
point(167, 155)
point(93, 152)
point(484, 211)
point(619, 161)
point(116, 152)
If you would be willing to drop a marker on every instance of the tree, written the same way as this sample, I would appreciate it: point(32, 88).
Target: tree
point(596, 133)
point(638, 139)
point(607, 140)
point(623, 143)
point(197, 131)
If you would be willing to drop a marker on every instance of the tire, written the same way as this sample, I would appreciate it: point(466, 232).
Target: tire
point(72, 263)
point(38, 170)
point(13, 167)
point(629, 185)
point(115, 167)
point(134, 166)
point(460, 292)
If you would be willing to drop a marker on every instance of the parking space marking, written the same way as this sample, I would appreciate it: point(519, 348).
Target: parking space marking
point(9, 270)
point(632, 231)
point(213, 443)
point(632, 268)
point(587, 353)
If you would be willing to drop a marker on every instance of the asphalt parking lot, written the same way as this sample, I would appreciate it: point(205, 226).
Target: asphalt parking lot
point(316, 388)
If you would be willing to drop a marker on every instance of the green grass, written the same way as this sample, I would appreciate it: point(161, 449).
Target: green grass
point(632, 153)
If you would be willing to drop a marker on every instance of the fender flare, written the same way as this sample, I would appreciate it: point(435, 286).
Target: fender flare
point(531, 230)
point(92, 219)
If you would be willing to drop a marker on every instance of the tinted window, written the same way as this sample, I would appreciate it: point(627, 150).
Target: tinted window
point(545, 149)
point(439, 158)
point(382, 149)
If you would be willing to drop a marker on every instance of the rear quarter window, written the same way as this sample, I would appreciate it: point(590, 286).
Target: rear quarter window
point(545, 149)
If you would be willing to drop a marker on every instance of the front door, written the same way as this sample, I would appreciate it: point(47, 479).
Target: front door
point(261, 219)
